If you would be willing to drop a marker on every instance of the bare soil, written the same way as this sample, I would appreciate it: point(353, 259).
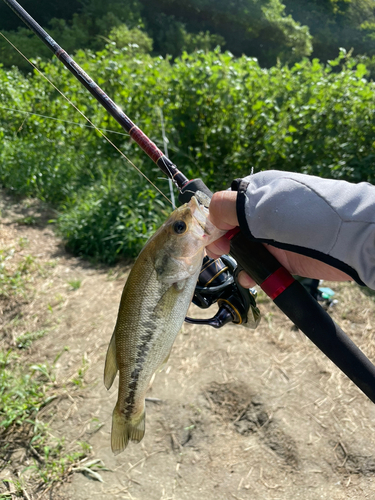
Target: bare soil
point(237, 413)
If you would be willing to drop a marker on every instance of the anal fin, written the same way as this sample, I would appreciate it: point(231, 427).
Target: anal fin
point(110, 368)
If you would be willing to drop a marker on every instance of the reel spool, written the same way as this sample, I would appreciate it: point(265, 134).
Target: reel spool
point(218, 282)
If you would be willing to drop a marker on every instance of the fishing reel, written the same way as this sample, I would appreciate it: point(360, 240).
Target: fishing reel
point(218, 282)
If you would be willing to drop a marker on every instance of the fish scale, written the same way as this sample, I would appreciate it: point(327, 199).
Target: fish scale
point(153, 306)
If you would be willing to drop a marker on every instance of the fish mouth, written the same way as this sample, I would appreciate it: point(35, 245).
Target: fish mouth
point(199, 210)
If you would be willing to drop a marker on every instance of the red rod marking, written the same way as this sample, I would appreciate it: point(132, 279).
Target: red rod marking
point(277, 282)
point(144, 142)
point(232, 233)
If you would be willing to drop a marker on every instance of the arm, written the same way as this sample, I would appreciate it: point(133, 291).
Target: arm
point(315, 227)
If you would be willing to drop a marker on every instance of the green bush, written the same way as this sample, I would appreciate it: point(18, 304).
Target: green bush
point(223, 117)
point(112, 218)
point(231, 116)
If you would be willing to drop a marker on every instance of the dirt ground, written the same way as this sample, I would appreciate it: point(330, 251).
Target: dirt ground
point(242, 414)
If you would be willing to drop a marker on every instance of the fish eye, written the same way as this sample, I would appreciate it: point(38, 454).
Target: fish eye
point(179, 227)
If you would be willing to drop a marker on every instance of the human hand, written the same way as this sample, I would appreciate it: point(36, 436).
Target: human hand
point(224, 216)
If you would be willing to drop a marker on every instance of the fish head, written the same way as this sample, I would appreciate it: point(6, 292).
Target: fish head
point(181, 241)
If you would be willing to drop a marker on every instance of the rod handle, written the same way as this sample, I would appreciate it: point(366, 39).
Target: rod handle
point(305, 312)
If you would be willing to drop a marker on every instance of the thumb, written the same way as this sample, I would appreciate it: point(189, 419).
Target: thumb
point(223, 212)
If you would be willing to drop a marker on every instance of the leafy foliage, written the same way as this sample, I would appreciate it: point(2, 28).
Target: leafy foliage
point(337, 23)
point(111, 219)
point(223, 116)
point(270, 30)
point(84, 24)
point(257, 28)
point(233, 115)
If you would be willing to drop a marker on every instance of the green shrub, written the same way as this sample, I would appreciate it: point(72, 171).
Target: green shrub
point(223, 116)
point(112, 219)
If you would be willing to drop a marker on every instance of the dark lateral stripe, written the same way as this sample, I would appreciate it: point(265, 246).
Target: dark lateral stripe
point(142, 350)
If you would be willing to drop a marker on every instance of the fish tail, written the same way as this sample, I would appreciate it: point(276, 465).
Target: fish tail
point(124, 430)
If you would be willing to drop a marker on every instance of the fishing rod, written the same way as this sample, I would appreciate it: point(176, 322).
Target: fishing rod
point(287, 293)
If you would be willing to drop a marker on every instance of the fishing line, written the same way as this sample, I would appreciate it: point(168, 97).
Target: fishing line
point(165, 142)
point(64, 121)
point(86, 118)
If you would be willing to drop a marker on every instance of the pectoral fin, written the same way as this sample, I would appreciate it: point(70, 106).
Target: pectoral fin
point(170, 270)
point(110, 368)
point(179, 286)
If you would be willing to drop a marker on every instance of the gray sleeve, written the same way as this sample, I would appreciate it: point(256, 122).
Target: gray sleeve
point(331, 220)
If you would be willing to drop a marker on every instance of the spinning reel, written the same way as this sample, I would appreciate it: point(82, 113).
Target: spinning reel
point(218, 282)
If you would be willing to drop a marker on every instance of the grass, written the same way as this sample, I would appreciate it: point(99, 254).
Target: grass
point(22, 391)
point(79, 379)
point(11, 283)
point(26, 393)
point(75, 284)
point(14, 276)
point(25, 340)
point(368, 292)
point(27, 221)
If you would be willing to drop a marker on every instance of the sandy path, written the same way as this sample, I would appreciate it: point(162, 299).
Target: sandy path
point(243, 414)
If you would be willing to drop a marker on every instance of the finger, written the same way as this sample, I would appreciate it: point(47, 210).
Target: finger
point(218, 247)
point(245, 280)
point(223, 209)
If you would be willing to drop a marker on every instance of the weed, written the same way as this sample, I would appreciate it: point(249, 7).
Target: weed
point(59, 354)
point(53, 462)
point(95, 425)
point(25, 340)
point(11, 282)
point(269, 316)
point(27, 264)
point(52, 263)
point(75, 284)
point(16, 489)
point(24, 391)
point(368, 292)
point(79, 380)
point(58, 299)
point(23, 243)
point(13, 278)
point(27, 221)
point(44, 371)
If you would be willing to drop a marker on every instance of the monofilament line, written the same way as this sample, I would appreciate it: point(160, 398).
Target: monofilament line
point(86, 118)
point(31, 113)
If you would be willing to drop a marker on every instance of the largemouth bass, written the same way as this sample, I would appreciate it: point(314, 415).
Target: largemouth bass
point(153, 306)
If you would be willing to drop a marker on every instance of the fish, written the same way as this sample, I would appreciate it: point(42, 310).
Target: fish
point(153, 305)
